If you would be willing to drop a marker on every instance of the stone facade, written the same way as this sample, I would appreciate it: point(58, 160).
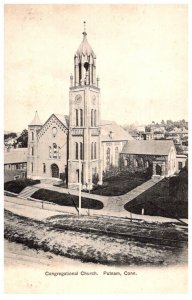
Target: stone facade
point(47, 149)
point(162, 164)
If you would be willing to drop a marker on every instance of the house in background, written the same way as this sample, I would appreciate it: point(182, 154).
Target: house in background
point(15, 164)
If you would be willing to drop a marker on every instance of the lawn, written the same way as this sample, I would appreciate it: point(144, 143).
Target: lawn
point(168, 198)
point(16, 186)
point(74, 237)
point(120, 184)
point(66, 199)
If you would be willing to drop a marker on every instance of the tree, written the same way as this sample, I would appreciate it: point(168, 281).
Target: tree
point(9, 135)
point(23, 139)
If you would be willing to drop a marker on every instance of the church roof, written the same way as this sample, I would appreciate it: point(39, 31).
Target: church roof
point(111, 131)
point(152, 147)
point(64, 119)
point(36, 121)
point(85, 48)
point(15, 156)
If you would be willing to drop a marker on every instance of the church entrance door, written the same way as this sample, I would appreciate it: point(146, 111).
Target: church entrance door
point(158, 170)
point(55, 170)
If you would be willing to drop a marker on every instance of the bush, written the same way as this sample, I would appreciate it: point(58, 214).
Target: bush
point(66, 199)
point(16, 186)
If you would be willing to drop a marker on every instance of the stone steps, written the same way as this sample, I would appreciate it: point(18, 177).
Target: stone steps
point(27, 192)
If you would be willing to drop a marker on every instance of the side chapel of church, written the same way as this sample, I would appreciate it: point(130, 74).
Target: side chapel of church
point(79, 144)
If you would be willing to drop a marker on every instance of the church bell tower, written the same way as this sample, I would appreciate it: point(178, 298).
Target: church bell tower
point(84, 162)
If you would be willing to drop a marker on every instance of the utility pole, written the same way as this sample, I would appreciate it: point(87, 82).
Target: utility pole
point(79, 186)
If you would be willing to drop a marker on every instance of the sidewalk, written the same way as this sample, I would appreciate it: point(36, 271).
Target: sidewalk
point(33, 209)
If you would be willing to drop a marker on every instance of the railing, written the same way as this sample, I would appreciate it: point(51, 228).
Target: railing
point(77, 131)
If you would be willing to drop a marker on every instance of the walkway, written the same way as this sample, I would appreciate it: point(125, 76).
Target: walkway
point(117, 203)
point(35, 210)
point(113, 206)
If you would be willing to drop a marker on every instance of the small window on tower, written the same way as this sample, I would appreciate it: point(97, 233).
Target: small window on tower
point(44, 168)
point(92, 118)
point(32, 135)
point(77, 117)
point(86, 66)
point(81, 150)
point(95, 117)
point(76, 151)
point(81, 117)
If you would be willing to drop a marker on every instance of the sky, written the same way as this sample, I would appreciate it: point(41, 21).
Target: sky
point(141, 60)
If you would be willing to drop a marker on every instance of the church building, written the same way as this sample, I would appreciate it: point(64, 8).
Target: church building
point(79, 147)
point(71, 146)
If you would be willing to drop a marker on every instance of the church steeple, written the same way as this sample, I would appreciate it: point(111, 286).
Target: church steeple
point(85, 160)
point(36, 121)
point(85, 63)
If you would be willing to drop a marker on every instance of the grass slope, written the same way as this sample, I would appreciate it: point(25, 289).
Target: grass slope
point(167, 198)
point(54, 236)
point(66, 199)
point(120, 184)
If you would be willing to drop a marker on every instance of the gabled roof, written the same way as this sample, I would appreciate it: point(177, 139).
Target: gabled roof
point(61, 118)
point(64, 119)
point(111, 131)
point(14, 156)
point(36, 121)
point(152, 147)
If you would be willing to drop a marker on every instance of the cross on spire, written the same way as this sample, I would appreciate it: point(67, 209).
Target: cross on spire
point(84, 32)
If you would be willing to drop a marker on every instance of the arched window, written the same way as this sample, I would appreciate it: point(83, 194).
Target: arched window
point(108, 157)
point(32, 151)
point(95, 150)
point(54, 150)
point(92, 117)
point(116, 156)
point(81, 117)
point(50, 152)
point(44, 168)
point(77, 117)
point(142, 162)
point(81, 150)
point(32, 135)
point(95, 118)
point(147, 164)
point(76, 151)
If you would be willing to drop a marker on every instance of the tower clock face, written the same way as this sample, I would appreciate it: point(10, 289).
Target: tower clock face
point(94, 99)
point(78, 99)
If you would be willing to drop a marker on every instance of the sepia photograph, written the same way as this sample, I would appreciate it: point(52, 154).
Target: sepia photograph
point(95, 148)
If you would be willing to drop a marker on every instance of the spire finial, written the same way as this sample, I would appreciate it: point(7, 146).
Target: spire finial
point(84, 32)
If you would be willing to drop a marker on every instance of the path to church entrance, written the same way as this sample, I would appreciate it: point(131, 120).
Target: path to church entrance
point(113, 206)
